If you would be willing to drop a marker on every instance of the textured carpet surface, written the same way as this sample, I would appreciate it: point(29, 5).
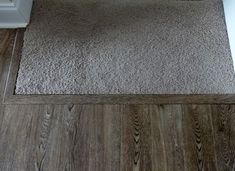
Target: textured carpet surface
point(126, 47)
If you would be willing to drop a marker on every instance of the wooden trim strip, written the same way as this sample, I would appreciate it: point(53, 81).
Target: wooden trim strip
point(5, 42)
point(119, 99)
point(14, 64)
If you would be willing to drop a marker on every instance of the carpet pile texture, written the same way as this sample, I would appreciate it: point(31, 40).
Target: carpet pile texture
point(126, 47)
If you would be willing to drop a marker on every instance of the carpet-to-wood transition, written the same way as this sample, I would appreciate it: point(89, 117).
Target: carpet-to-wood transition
point(126, 47)
point(104, 137)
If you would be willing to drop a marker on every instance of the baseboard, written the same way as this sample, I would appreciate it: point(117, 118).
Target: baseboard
point(16, 15)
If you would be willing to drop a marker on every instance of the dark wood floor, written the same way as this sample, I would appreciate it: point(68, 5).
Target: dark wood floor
point(117, 137)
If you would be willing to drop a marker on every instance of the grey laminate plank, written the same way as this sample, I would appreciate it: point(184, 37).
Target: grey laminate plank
point(136, 140)
point(158, 148)
point(17, 133)
point(172, 133)
point(198, 138)
point(224, 134)
point(60, 137)
point(117, 137)
point(83, 138)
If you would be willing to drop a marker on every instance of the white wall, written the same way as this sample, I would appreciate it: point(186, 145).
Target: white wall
point(15, 14)
point(4, 3)
point(229, 9)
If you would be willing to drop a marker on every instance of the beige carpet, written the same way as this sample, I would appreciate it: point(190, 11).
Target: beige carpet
point(126, 47)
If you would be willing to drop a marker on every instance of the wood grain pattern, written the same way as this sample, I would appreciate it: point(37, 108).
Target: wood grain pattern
point(172, 132)
point(224, 133)
point(17, 131)
point(136, 130)
point(61, 137)
point(158, 148)
point(117, 137)
point(199, 142)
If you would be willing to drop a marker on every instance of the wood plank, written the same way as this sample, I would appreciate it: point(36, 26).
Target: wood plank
point(117, 137)
point(136, 142)
point(119, 99)
point(6, 47)
point(112, 136)
point(224, 134)
point(2, 34)
point(14, 63)
point(78, 139)
point(2, 108)
point(4, 40)
point(61, 137)
point(172, 134)
point(158, 149)
point(152, 138)
point(17, 133)
point(198, 138)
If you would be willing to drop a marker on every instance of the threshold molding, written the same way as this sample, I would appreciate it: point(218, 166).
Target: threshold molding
point(15, 13)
